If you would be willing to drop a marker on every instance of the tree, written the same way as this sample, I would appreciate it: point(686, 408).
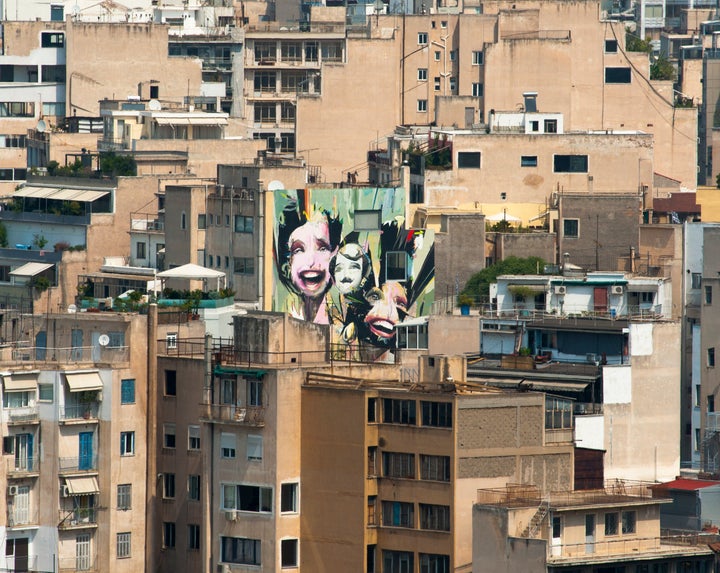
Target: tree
point(117, 165)
point(478, 286)
point(662, 69)
point(3, 235)
point(635, 43)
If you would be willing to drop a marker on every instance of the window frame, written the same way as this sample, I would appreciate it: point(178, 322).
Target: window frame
point(401, 264)
point(169, 436)
point(290, 491)
point(169, 535)
point(528, 161)
point(422, 105)
point(571, 163)
point(469, 159)
point(478, 58)
point(422, 38)
point(123, 493)
point(168, 485)
point(294, 547)
point(192, 430)
point(618, 75)
point(193, 484)
point(611, 520)
point(123, 545)
point(422, 74)
point(127, 443)
point(568, 231)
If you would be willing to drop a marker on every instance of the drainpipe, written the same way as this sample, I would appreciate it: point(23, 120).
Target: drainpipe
point(151, 440)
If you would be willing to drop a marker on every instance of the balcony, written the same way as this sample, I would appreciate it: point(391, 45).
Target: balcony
point(253, 416)
point(84, 464)
point(22, 416)
point(23, 467)
point(80, 413)
point(9, 563)
point(82, 563)
point(20, 518)
point(79, 518)
point(111, 144)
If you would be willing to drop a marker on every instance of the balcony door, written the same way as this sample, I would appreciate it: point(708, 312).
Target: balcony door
point(16, 554)
point(82, 552)
point(24, 452)
point(589, 533)
point(21, 503)
point(85, 454)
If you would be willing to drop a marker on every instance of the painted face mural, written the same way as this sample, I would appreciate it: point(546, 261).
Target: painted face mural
point(361, 279)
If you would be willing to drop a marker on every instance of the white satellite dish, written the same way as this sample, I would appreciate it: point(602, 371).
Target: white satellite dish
point(41, 126)
point(104, 340)
point(275, 185)
point(154, 105)
point(72, 309)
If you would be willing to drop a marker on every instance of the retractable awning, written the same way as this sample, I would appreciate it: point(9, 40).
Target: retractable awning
point(82, 485)
point(20, 382)
point(207, 121)
point(84, 381)
point(30, 269)
point(60, 194)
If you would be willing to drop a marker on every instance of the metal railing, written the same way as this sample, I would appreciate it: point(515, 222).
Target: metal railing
point(525, 495)
point(248, 416)
point(28, 563)
point(21, 354)
point(17, 517)
point(78, 464)
point(22, 415)
point(83, 563)
point(76, 518)
point(112, 144)
point(22, 466)
point(87, 411)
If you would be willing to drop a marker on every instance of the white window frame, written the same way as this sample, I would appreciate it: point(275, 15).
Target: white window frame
point(123, 545)
point(422, 74)
point(228, 446)
point(422, 38)
point(422, 106)
point(194, 434)
point(127, 443)
point(254, 448)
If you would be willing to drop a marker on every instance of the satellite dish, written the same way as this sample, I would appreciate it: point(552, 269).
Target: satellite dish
point(104, 340)
point(154, 105)
point(275, 185)
point(72, 309)
point(41, 126)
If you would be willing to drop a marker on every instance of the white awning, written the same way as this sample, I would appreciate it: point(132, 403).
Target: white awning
point(207, 120)
point(36, 192)
point(82, 485)
point(172, 120)
point(20, 381)
point(57, 194)
point(84, 381)
point(30, 269)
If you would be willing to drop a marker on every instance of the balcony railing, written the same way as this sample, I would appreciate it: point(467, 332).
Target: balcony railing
point(20, 354)
point(87, 411)
point(77, 518)
point(80, 464)
point(18, 517)
point(28, 563)
point(20, 467)
point(84, 563)
point(247, 416)
point(111, 144)
point(22, 415)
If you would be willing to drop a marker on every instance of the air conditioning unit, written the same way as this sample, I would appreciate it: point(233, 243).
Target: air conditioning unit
point(231, 515)
point(65, 491)
point(617, 289)
point(560, 289)
point(12, 490)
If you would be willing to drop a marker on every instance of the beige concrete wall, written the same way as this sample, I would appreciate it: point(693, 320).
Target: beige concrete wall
point(663, 243)
point(709, 200)
point(448, 334)
point(21, 38)
point(181, 245)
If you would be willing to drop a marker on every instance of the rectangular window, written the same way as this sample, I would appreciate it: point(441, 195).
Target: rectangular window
point(570, 163)
point(422, 105)
point(417, 193)
point(372, 510)
point(435, 517)
point(399, 411)
point(478, 58)
point(372, 410)
point(255, 392)
point(696, 280)
point(169, 535)
point(571, 228)
point(398, 465)
point(45, 392)
point(57, 13)
point(254, 448)
point(611, 46)
point(437, 55)
point(193, 437)
point(170, 383)
point(265, 52)
point(396, 266)
point(708, 294)
point(528, 161)
point(468, 160)
point(289, 553)
point(453, 84)
point(171, 342)
point(611, 524)
point(252, 498)
point(124, 496)
point(123, 545)
point(711, 357)
point(289, 497)
point(443, 23)
point(436, 83)
point(398, 514)
point(617, 75)
point(550, 126)
point(168, 486)
point(433, 563)
point(422, 74)
point(202, 221)
point(367, 220)
point(291, 51)
point(711, 403)
point(477, 89)
point(452, 55)
point(141, 250)
point(193, 537)
point(194, 487)
point(437, 414)
point(52, 40)
point(435, 468)
point(654, 11)
point(228, 446)
point(558, 413)
point(628, 522)
point(244, 266)
point(422, 38)
point(240, 550)
point(244, 224)
point(127, 443)
point(169, 436)
point(398, 561)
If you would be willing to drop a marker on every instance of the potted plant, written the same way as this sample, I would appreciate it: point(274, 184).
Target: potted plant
point(465, 301)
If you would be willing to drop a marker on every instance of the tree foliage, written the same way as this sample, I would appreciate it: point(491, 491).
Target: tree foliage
point(662, 69)
point(635, 43)
point(478, 285)
point(117, 165)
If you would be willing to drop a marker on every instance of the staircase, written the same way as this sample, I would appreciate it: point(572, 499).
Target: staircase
point(537, 519)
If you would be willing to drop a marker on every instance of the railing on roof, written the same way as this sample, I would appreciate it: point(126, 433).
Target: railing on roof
point(562, 35)
point(520, 495)
point(21, 354)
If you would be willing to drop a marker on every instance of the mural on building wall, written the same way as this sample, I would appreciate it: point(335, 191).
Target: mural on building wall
point(344, 257)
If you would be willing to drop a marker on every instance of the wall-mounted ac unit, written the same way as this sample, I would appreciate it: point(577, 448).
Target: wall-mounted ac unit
point(617, 289)
point(12, 490)
point(560, 289)
point(231, 515)
point(65, 491)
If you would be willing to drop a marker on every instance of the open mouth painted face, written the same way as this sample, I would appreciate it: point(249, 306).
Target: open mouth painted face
point(388, 303)
point(310, 254)
point(348, 274)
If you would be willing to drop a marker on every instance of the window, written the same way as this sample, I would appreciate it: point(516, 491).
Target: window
point(52, 40)
point(193, 437)
point(478, 58)
point(168, 486)
point(251, 498)
point(396, 266)
point(244, 266)
point(255, 392)
point(435, 468)
point(477, 89)
point(202, 221)
point(372, 416)
point(698, 395)
point(124, 496)
point(433, 563)
point(452, 55)
point(711, 403)
point(436, 517)
point(265, 51)
point(617, 75)
point(696, 280)
point(708, 294)
point(422, 74)
point(289, 497)
point(57, 13)
point(183, 220)
point(265, 82)
point(628, 522)
point(611, 524)
point(437, 414)
point(228, 446)
point(422, 38)
point(291, 51)
point(170, 383)
point(528, 161)
point(367, 220)
point(170, 344)
point(398, 465)
point(244, 224)
point(437, 55)
point(372, 461)
point(45, 392)
point(611, 46)
point(123, 545)
point(240, 550)
point(140, 252)
point(193, 537)
point(168, 535)
point(398, 411)
point(398, 514)
point(558, 413)
point(443, 23)
point(453, 83)
point(254, 448)
point(18, 399)
point(154, 92)
point(333, 51)
point(422, 105)
point(570, 163)
point(436, 83)
point(654, 11)
point(127, 443)
point(417, 193)
point(372, 510)
point(550, 126)
point(289, 553)
point(398, 561)
point(194, 487)
point(571, 228)
point(711, 357)
point(169, 436)
point(468, 160)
